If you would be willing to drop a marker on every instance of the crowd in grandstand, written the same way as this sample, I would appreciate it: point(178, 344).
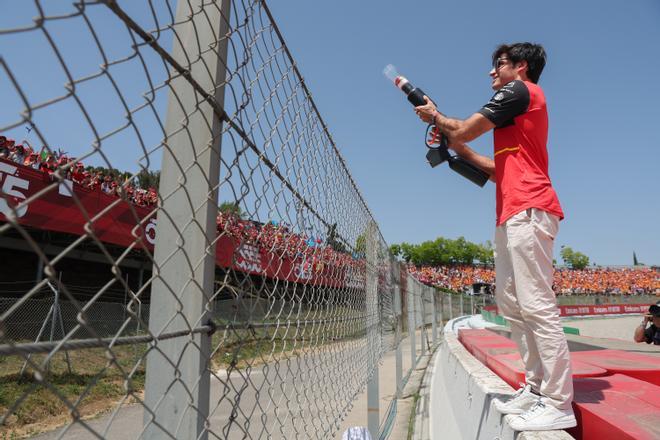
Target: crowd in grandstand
point(638, 280)
point(607, 280)
point(457, 278)
point(272, 236)
point(277, 237)
point(49, 161)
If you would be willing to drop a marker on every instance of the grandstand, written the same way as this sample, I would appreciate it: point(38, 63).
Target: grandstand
point(269, 249)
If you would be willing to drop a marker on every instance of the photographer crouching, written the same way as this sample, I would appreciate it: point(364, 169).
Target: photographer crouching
point(651, 334)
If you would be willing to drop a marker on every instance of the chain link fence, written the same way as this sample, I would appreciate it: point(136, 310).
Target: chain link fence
point(224, 277)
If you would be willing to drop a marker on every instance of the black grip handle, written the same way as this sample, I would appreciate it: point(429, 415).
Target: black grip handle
point(469, 171)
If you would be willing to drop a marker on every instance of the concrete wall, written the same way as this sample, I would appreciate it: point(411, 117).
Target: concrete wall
point(462, 389)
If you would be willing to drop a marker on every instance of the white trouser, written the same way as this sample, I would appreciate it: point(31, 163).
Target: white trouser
point(523, 267)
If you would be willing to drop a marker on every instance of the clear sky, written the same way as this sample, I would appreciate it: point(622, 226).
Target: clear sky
point(602, 84)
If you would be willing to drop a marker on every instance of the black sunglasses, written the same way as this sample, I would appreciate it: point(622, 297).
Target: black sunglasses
point(499, 62)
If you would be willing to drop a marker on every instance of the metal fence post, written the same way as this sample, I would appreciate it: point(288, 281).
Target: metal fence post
point(423, 335)
point(40, 270)
point(434, 326)
point(373, 401)
point(410, 291)
point(471, 304)
point(177, 375)
point(442, 307)
point(451, 307)
point(398, 357)
point(56, 310)
point(461, 309)
point(123, 318)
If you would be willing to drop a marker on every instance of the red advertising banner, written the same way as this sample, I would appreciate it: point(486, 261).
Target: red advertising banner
point(74, 209)
point(67, 207)
point(594, 310)
point(602, 309)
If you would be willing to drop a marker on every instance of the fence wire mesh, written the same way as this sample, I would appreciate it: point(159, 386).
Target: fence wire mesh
point(203, 261)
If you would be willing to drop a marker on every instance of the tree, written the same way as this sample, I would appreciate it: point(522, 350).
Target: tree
point(580, 261)
point(486, 254)
point(429, 253)
point(462, 251)
point(148, 179)
point(395, 250)
point(361, 245)
point(574, 260)
point(231, 208)
point(407, 251)
point(443, 251)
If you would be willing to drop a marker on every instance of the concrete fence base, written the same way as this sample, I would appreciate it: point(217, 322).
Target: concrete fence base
point(461, 392)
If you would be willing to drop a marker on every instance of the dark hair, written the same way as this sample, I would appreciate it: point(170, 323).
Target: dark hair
point(534, 54)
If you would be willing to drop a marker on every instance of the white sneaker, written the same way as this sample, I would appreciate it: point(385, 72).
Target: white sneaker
point(543, 417)
point(518, 403)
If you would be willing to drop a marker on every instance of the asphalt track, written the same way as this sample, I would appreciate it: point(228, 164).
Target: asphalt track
point(285, 399)
point(615, 327)
point(612, 332)
point(595, 333)
point(263, 403)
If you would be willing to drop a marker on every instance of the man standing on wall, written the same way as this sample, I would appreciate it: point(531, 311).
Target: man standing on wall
point(528, 215)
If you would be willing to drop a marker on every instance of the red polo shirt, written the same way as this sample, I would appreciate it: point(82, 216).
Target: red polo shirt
point(519, 113)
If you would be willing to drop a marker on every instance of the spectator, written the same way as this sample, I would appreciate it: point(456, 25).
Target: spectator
point(48, 165)
point(33, 161)
point(6, 147)
point(18, 155)
point(78, 173)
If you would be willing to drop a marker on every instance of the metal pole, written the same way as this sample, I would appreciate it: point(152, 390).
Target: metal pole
point(462, 311)
point(398, 357)
point(373, 400)
point(412, 327)
point(422, 307)
point(177, 376)
point(139, 314)
point(434, 328)
point(56, 307)
point(40, 270)
point(66, 352)
point(442, 307)
point(451, 307)
point(57, 319)
point(125, 299)
point(38, 338)
point(373, 405)
point(471, 304)
point(139, 301)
